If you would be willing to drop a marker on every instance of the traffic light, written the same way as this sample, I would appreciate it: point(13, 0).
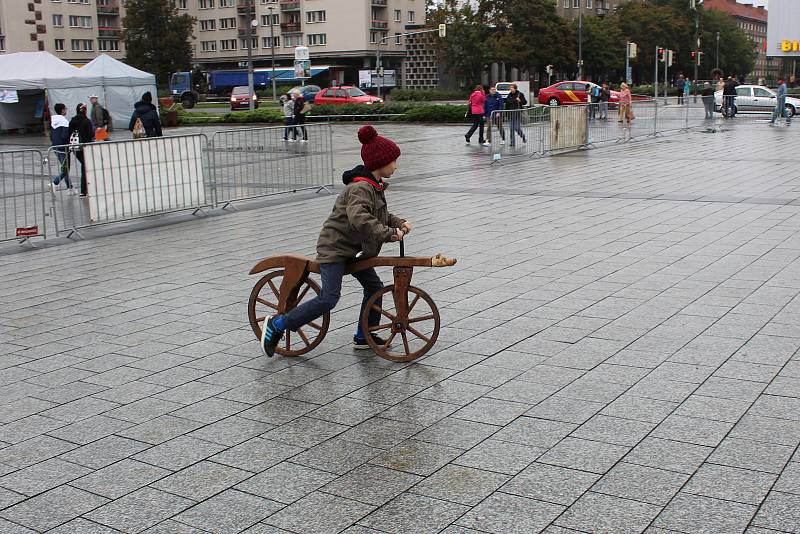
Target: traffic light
point(700, 58)
point(549, 70)
point(442, 30)
point(669, 58)
point(661, 54)
point(694, 55)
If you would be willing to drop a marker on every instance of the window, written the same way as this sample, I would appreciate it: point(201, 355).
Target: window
point(268, 42)
point(183, 4)
point(397, 39)
point(398, 15)
point(744, 91)
point(108, 45)
point(269, 2)
point(2, 44)
point(763, 93)
point(86, 45)
point(253, 42)
point(205, 4)
point(290, 41)
point(315, 16)
point(207, 25)
point(58, 21)
point(228, 44)
point(317, 39)
point(226, 3)
point(265, 20)
point(566, 3)
point(208, 46)
point(411, 16)
point(226, 23)
point(589, 4)
point(80, 22)
point(78, 2)
point(576, 4)
point(59, 45)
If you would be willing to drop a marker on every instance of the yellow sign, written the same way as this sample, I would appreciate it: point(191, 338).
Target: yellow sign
point(790, 46)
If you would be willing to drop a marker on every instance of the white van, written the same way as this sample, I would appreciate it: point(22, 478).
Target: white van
point(503, 88)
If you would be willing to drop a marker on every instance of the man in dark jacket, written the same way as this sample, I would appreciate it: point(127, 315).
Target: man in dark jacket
point(708, 100)
point(494, 102)
point(81, 125)
point(729, 98)
point(59, 138)
point(356, 228)
point(300, 117)
point(148, 114)
point(516, 101)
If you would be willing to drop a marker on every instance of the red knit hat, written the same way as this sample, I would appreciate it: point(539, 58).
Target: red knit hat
point(376, 151)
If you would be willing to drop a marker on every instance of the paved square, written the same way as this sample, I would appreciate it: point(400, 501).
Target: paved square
point(619, 353)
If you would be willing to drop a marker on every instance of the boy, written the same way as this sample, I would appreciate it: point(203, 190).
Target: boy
point(358, 226)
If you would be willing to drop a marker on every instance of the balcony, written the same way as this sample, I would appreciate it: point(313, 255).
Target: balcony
point(108, 8)
point(246, 7)
point(379, 3)
point(107, 31)
point(290, 5)
point(379, 24)
point(602, 11)
point(290, 27)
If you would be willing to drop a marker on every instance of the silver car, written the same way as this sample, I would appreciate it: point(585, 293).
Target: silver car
point(757, 99)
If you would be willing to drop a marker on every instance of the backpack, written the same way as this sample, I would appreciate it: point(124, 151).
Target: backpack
point(138, 129)
point(106, 117)
point(75, 138)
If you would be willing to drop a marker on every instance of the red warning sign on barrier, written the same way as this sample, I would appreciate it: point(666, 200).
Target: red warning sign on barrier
point(28, 231)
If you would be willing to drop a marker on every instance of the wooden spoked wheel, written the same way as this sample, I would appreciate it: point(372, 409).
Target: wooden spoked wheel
point(408, 335)
point(264, 301)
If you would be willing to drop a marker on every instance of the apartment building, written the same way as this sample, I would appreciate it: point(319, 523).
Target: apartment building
point(73, 30)
point(571, 9)
point(341, 33)
point(753, 22)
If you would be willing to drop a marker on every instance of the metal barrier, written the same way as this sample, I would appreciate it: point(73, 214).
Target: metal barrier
point(256, 162)
point(126, 180)
point(23, 195)
point(518, 132)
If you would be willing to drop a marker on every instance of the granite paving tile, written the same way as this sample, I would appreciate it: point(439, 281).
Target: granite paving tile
point(319, 513)
point(550, 483)
point(337, 456)
point(414, 513)
point(33, 451)
point(730, 483)
point(201, 480)
point(704, 515)
point(229, 511)
point(502, 512)
point(256, 454)
point(120, 478)
point(42, 476)
point(464, 485)
point(500, 456)
point(640, 483)
point(231, 430)
point(53, 508)
point(139, 510)
point(417, 457)
point(179, 452)
point(586, 455)
point(606, 514)
point(780, 511)
point(372, 484)
point(287, 482)
point(160, 429)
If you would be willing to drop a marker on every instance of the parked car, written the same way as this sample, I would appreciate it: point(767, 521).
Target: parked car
point(565, 93)
point(309, 92)
point(345, 94)
point(757, 99)
point(504, 88)
point(240, 98)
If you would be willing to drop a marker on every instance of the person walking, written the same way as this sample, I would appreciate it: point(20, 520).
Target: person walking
point(494, 102)
point(476, 102)
point(720, 84)
point(625, 101)
point(687, 90)
point(729, 98)
point(605, 96)
point(300, 110)
point(81, 126)
point(707, 95)
point(145, 111)
point(680, 84)
point(287, 104)
point(100, 117)
point(59, 138)
point(359, 224)
point(594, 101)
point(780, 104)
point(515, 102)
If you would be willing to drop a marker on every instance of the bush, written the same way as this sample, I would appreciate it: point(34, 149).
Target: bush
point(447, 113)
point(190, 119)
point(362, 109)
point(426, 95)
point(257, 115)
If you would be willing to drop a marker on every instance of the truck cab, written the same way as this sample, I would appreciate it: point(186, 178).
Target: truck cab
point(186, 87)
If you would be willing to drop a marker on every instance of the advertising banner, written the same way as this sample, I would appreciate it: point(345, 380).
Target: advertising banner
point(783, 28)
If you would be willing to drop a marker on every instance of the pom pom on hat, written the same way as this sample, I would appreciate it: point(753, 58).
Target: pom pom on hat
point(376, 151)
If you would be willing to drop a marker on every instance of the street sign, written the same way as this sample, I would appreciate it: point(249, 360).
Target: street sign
point(302, 68)
point(632, 50)
point(301, 52)
point(629, 75)
point(28, 231)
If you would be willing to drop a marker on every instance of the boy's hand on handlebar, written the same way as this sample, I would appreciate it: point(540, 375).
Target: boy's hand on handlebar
point(398, 235)
point(406, 227)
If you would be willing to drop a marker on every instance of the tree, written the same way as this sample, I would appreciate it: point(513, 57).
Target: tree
point(603, 47)
point(464, 50)
point(736, 50)
point(157, 38)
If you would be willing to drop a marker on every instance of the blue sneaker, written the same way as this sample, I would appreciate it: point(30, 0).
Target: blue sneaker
point(270, 337)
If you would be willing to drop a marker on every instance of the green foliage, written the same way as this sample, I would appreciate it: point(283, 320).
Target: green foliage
point(464, 50)
point(438, 114)
point(735, 48)
point(191, 119)
point(603, 47)
point(257, 115)
point(427, 95)
point(157, 38)
point(361, 109)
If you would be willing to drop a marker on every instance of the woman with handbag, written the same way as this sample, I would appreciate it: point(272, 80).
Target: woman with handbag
point(301, 107)
point(476, 103)
point(81, 131)
point(625, 100)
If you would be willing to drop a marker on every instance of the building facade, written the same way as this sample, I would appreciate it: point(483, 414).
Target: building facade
point(73, 30)
point(753, 22)
point(571, 9)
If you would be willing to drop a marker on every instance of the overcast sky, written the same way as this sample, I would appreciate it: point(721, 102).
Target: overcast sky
point(754, 2)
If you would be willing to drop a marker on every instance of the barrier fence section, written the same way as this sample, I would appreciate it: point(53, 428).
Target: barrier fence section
point(23, 195)
point(520, 131)
point(256, 162)
point(129, 179)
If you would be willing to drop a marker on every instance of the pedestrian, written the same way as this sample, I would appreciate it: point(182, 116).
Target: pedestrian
point(476, 102)
point(301, 107)
point(147, 113)
point(605, 96)
point(59, 138)
point(729, 98)
point(494, 115)
point(101, 119)
point(720, 84)
point(780, 104)
point(707, 95)
point(515, 103)
point(287, 104)
point(81, 127)
point(761, 80)
point(625, 101)
point(687, 90)
point(594, 101)
point(357, 228)
point(680, 84)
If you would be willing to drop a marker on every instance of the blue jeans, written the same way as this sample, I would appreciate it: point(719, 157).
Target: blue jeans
point(288, 123)
point(63, 165)
point(332, 274)
point(780, 110)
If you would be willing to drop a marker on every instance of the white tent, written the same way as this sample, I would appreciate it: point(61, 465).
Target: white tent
point(122, 86)
point(31, 73)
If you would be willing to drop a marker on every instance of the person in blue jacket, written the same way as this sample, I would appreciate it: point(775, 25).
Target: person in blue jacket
point(494, 102)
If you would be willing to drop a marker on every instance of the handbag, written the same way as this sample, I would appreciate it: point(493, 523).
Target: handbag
point(138, 129)
point(100, 134)
point(306, 108)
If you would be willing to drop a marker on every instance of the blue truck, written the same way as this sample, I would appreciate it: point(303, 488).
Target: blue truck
point(188, 88)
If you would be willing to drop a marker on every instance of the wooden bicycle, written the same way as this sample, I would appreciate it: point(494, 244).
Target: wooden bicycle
point(409, 317)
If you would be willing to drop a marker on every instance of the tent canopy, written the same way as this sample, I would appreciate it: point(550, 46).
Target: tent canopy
point(41, 70)
point(114, 72)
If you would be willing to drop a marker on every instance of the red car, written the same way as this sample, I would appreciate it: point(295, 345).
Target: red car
point(240, 98)
point(571, 92)
point(345, 94)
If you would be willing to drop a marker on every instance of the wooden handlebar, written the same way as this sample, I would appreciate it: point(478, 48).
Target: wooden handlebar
point(274, 262)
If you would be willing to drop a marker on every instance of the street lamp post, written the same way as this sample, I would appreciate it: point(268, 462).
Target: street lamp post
point(717, 66)
point(272, 50)
point(697, 45)
point(251, 24)
point(580, 42)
